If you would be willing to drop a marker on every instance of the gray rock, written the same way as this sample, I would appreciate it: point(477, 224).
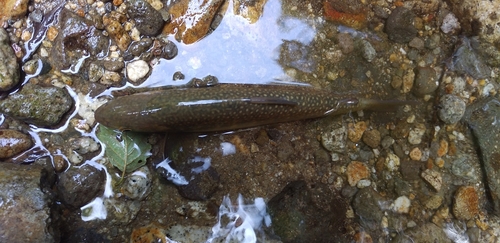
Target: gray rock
point(466, 60)
point(138, 184)
point(9, 68)
point(399, 26)
point(13, 142)
point(425, 81)
point(369, 53)
point(25, 204)
point(428, 232)
point(78, 186)
point(452, 109)
point(366, 205)
point(483, 118)
point(147, 20)
point(37, 105)
point(417, 43)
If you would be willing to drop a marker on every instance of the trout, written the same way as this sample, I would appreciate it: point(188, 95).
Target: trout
point(227, 107)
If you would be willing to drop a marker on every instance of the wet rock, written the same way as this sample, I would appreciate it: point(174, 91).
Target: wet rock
point(78, 186)
point(345, 6)
point(410, 170)
point(122, 212)
point(452, 108)
point(13, 142)
point(434, 178)
point(137, 70)
point(466, 60)
point(84, 235)
point(367, 51)
point(366, 205)
point(138, 184)
point(13, 8)
point(482, 118)
point(466, 203)
point(464, 166)
point(428, 232)
point(334, 140)
point(77, 38)
point(356, 171)
point(137, 48)
point(297, 218)
point(392, 162)
point(417, 43)
point(249, 9)
point(294, 54)
point(9, 68)
point(169, 50)
point(113, 25)
point(434, 202)
point(426, 81)
point(84, 145)
point(25, 204)
point(372, 138)
point(147, 20)
point(36, 105)
point(356, 131)
point(399, 26)
point(203, 179)
point(113, 65)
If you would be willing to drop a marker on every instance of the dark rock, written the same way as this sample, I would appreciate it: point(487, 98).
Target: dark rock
point(77, 38)
point(9, 68)
point(399, 26)
point(37, 105)
point(25, 199)
point(169, 50)
point(84, 235)
point(372, 138)
point(482, 118)
point(410, 170)
point(203, 181)
point(466, 60)
point(78, 186)
point(426, 81)
point(137, 48)
point(366, 205)
point(147, 20)
point(299, 217)
point(13, 142)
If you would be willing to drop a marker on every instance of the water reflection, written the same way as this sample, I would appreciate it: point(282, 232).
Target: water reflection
point(237, 51)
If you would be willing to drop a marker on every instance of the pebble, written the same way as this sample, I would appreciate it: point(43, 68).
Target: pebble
point(450, 24)
point(408, 80)
point(416, 154)
point(415, 134)
point(334, 140)
point(356, 171)
point(443, 148)
point(9, 68)
point(137, 70)
point(78, 186)
point(401, 205)
point(372, 138)
point(399, 25)
point(426, 81)
point(366, 204)
point(387, 141)
point(13, 142)
point(452, 109)
point(392, 162)
point(466, 203)
point(13, 8)
point(147, 20)
point(356, 131)
point(433, 177)
point(434, 202)
point(417, 43)
point(138, 184)
point(84, 145)
point(369, 53)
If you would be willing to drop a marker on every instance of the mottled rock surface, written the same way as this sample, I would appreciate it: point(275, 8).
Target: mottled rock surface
point(13, 142)
point(79, 186)
point(25, 201)
point(9, 68)
point(147, 20)
point(399, 26)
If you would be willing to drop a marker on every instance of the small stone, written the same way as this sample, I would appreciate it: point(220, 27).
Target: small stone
point(443, 148)
point(450, 24)
point(417, 43)
point(401, 205)
point(334, 140)
point(434, 202)
point(399, 26)
point(452, 108)
point(369, 53)
point(356, 171)
point(415, 135)
point(372, 138)
point(439, 162)
point(416, 154)
point(363, 183)
point(13, 142)
point(408, 80)
point(84, 145)
point(426, 81)
point(147, 20)
point(13, 8)
point(392, 162)
point(356, 131)
point(466, 205)
point(362, 237)
point(137, 70)
point(387, 141)
point(433, 178)
point(138, 184)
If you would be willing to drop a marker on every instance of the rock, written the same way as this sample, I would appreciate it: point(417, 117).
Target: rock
point(297, 218)
point(84, 145)
point(137, 70)
point(401, 205)
point(466, 203)
point(466, 60)
point(37, 105)
point(450, 24)
point(294, 54)
point(369, 53)
point(147, 20)
point(334, 140)
point(417, 43)
point(356, 131)
point(482, 118)
point(366, 205)
point(434, 202)
point(113, 25)
point(137, 48)
point(416, 154)
point(415, 135)
point(138, 184)
point(426, 81)
point(9, 68)
point(399, 26)
point(425, 233)
point(13, 142)
point(13, 8)
point(203, 179)
point(392, 162)
point(433, 178)
point(356, 171)
point(410, 170)
point(452, 109)
point(372, 138)
point(26, 202)
point(78, 186)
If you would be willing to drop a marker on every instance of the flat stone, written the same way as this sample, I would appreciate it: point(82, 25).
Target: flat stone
point(466, 203)
point(434, 178)
point(25, 205)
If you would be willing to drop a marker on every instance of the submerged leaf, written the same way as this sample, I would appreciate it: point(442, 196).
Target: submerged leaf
point(127, 151)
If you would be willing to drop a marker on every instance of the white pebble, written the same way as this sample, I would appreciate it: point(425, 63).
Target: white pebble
point(401, 205)
point(137, 70)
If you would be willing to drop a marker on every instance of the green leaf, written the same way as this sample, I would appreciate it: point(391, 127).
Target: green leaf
point(127, 150)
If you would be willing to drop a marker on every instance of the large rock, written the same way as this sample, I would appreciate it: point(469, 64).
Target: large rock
point(9, 68)
point(25, 204)
point(78, 186)
point(40, 106)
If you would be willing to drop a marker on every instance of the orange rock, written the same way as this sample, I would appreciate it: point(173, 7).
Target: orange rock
point(355, 131)
point(149, 233)
point(466, 204)
point(357, 21)
point(13, 8)
point(443, 148)
point(356, 171)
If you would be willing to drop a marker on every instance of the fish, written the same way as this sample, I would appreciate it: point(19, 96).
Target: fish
point(228, 107)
